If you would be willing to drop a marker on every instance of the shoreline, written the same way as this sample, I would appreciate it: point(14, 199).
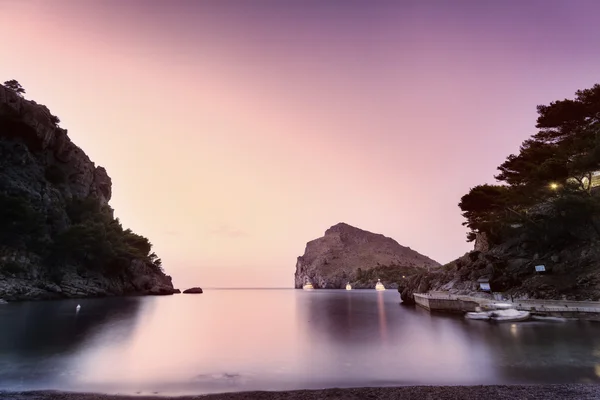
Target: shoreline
point(502, 392)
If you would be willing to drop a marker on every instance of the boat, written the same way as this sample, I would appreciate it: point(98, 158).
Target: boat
point(379, 285)
point(510, 315)
point(477, 315)
point(308, 286)
point(348, 287)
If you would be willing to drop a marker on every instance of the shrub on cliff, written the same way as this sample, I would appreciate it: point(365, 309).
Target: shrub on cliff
point(21, 225)
point(15, 87)
point(554, 167)
point(98, 241)
point(55, 175)
point(385, 273)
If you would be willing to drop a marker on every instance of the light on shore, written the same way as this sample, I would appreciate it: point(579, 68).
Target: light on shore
point(554, 186)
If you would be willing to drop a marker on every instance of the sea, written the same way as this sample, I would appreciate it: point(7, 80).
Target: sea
point(277, 339)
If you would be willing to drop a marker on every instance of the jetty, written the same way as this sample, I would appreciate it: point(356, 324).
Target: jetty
point(446, 302)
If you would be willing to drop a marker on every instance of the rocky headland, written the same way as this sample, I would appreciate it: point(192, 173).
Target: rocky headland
point(348, 254)
point(571, 271)
point(58, 236)
point(545, 211)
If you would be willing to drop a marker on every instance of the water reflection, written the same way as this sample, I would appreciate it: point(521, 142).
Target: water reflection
point(540, 351)
point(38, 340)
point(381, 313)
point(235, 340)
point(383, 342)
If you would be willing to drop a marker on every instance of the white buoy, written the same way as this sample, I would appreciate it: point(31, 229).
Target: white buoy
point(78, 307)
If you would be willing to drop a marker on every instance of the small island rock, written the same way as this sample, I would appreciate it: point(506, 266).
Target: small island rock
point(193, 290)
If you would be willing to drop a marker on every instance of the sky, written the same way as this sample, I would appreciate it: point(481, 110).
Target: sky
point(237, 131)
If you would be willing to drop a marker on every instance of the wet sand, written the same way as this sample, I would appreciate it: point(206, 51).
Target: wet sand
point(510, 392)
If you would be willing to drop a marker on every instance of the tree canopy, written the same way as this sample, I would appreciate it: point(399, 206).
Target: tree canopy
point(557, 161)
point(15, 86)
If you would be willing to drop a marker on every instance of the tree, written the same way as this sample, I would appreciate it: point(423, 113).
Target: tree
point(567, 145)
point(484, 208)
point(15, 87)
point(554, 164)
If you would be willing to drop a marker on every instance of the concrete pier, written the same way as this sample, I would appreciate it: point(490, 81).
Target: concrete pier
point(445, 302)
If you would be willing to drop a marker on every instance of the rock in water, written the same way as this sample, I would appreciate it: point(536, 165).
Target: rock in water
point(348, 254)
point(58, 236)
point(193, 290)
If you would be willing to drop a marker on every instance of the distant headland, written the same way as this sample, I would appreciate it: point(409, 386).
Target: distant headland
point(346, 254)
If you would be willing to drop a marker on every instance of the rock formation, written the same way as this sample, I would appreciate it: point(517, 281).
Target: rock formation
point(193, 290)
point(571, 271)
point(348, 254)
point(58, 237)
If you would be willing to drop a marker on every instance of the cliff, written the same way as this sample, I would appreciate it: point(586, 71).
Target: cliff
point(58, 236)
point(348, 254)
point(571, 266)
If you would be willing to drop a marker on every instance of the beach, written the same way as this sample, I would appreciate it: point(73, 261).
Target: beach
point(492, 392)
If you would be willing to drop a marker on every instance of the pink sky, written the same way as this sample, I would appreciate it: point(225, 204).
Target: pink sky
point(235, 132)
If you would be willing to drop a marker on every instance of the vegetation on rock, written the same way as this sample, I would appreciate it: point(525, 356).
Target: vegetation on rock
point(15, 86)
point(393, 273)
point(544, 211)
point(546, 189)
point(58, 235)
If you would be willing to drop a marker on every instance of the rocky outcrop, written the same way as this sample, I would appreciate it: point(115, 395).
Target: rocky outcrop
point(193, 290)
point(348, 254)
point(571, 272)
point(481, 242)
point(58, 237)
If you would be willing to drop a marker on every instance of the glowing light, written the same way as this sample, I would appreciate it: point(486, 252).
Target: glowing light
point(554, 186)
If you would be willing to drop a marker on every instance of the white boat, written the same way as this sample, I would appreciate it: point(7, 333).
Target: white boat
point(379, 285)
point(348, 287)
point(307, 286)
point(510, 315)
point(477, 315)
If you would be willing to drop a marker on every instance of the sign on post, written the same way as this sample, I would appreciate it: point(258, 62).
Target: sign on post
point(540, 268)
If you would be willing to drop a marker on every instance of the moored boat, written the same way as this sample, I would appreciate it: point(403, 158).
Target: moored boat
point(510, 315)
point(379, 285)
point(348, 287)
point(307, 286)
point(477, 315)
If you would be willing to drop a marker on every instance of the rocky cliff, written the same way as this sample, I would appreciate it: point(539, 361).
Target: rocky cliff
point(571, 266)
point(348, 254)
point(58, 237)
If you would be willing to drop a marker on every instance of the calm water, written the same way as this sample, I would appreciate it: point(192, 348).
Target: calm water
point(234, 340)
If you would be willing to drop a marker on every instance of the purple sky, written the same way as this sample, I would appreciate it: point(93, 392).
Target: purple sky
point(237, 131)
